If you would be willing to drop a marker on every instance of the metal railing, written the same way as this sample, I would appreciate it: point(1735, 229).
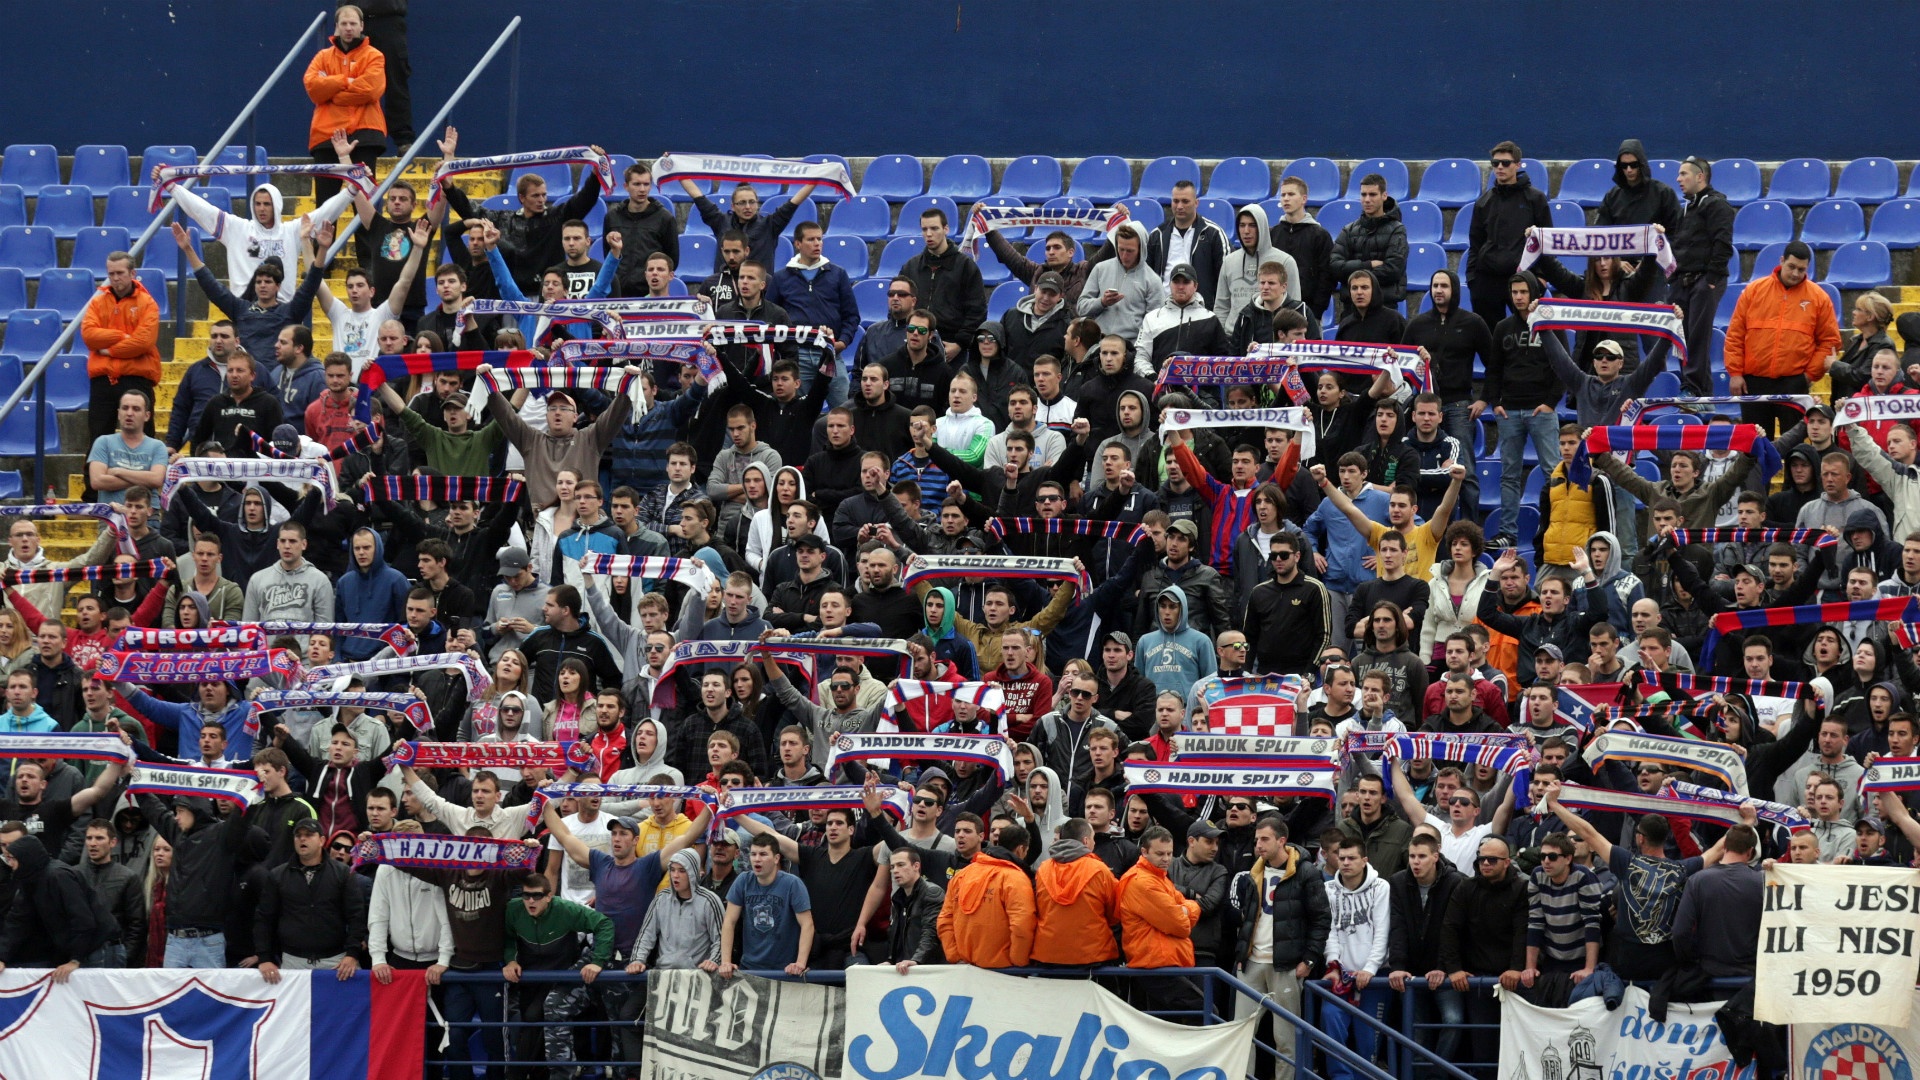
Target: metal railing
point(35, 378)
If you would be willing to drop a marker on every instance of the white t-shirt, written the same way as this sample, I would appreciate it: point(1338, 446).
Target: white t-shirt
point(1461, 851)
point(576, 883)
point(356, 333)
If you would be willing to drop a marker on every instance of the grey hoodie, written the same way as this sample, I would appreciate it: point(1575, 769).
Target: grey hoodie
point(1140, 290)
point(302, 594)
point(684, 932)
point(1240, 272)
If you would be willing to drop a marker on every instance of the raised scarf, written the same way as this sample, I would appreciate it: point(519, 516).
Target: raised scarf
point(73, 745)
point(1895, 408)
point(428, 851)
point(1126, 531)
point(558, 311)
point(218, 637)
point(442, 489)
point(1714, 759)
point(755, 800)
point(149, 568)
point(1740, 438)
point(191, 470)
point(1819, 538)
point(1618, 241)
point(695, 352)
point(112, 515)
point(1571, 708)
point(274, 700)
point(1253, 751)
point(1294, 419)
point(681, 165)
point(201, 667)
point(478, 683)
point(1631, 412)
point(1885, 774)
point(1305, 781)
point(1724, 810)
point(691, 572)
point(357, 443)
point(986, 217)
point(238, 787)
point(1505, 752)
point(1031, 567)
point(732, 652)
point(598, 162)
point(1345, 358)
point(988, 750)
point(558, 756)
point(1600, 316)
point(988, 696)
point(403, 366)
point(395, 635)
point(356, 176)
point(1894, 609)
point(1680, 682)
point(542, 796)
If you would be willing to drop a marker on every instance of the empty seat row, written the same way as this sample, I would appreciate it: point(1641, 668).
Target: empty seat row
point(1829, 223)
point(101, 168)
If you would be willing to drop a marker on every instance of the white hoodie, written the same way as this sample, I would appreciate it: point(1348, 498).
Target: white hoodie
point(1358, 936)
point(250, 243)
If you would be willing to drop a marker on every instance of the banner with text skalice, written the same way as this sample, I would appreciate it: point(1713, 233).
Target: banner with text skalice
point(1852, 1050)
point(1586, 1042)
point(703, 1027)
point(1837, 945)
point(964, 1021)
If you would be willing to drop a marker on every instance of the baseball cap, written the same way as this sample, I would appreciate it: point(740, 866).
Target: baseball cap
point(1185, 527)
point(624, 822)
point(307, 824)
point(286, 439)
point(1551, 650)
point(513, 560)
point(1610, 347)
point(1049, 280)
point(561, 395)
point(1182, 270)
point(455, 400)
point(342, 729)
point(1119, 636)
point(727, 836)
point(1201, 829)
point(809, 540)
point(1821, 410)
point(1751, 570)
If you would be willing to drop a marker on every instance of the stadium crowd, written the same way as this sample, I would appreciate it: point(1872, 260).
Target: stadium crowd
point(805, 479)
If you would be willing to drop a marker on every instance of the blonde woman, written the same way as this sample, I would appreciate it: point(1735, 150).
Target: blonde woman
point(1852, 370)
point(15, 642)
point(509, 673)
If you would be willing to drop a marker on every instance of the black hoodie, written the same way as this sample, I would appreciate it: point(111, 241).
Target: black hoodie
point(1501, 217)
point(1519, 378)
point(56, 917)
point(1381, 322)
point(1649, 202)
point(1451, 338)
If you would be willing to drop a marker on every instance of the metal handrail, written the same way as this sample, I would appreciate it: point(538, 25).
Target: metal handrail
point(35, 374)
point(425, 134)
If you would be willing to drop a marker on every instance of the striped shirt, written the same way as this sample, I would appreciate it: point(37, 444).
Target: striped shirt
point(1562, 918)
point(1232, 508)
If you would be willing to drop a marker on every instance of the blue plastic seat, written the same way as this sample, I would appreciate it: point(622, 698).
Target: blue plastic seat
point(849, 253)
point(1424, 221)
point(127, 208)
point(32, 166)
point(155, 281)
point(164, 154)
point(558, 177)
point(16, 431)
point(910, 211)
point(696, 257)
point(1868, 180)
point(1221, 213)
point(510, 202)
point(783, 252)
point(1488, 470)
point(897, 252)
point(100, 168)
point(1768, 258)
point(1738, 179)
point(1567, 214)
point(1034, 178)
point(1068, 202)
point(1423, 260)
point(92, 246)
point(1667, 171)
point(1241, 180)
point(1897, 224)
point(1450, 182)
point(1148, 212)
point(28, 247)
point(1758, 224)
point(13, 206)
point(1723, 313)
point(1722, 385)
point(1337, 215)
point(1832, 223)
point(1674, 418)
point(64, 209)
point(1648, 468)
point(13, 289)
point(992, 270)
point(67, 385)
point(826, 194)
point(13, 372)
point(1392, 170)
point(1004, 296)
point(1666, 384)
point(1103, 178)
point(1586, 181)
point(1863, 265)
point(962, 178)
point(32, 331)
point(65, 291)
point(1833, 297)
point(1462, 230)
point(871, 296)
point(1801, 182)
point(1322, 176)
point(893, 177)
point(1158, 178)
point(865, 216)
point(1735, 272)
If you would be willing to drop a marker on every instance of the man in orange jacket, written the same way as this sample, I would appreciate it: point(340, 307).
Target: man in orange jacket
point(1077, 898)
point(1783, 336)
point(121, 327)
point(988, 919)
point(345, 81)
point(1156, 929)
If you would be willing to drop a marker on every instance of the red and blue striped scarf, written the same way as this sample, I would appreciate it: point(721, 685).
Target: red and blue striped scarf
point(753, 800)
point(235, 786)
point(1253, 751)
point(1895, 609)
point(153, 569)
point(599, 165)
point(999, 527)
point(403, 366)
point(1680, 682)
point(1741, 438)
point(442, 489)
point(558, 756)
point(1819, 538)
point(72, 745)
point(1031, 567)
point(412, 707)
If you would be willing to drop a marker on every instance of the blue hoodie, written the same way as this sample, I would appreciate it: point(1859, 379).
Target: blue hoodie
point(1335, 537)
point(377, 594)
point(1174, 661)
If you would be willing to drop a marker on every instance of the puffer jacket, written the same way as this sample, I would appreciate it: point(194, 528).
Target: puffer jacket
point(346, 85)
point(122, 334)
point(1501, 217)
point(1366, 239)
point(1156, 922)
point(1076, 899)
point(1570, 513)
point(1173, 327)
point(1296, 906)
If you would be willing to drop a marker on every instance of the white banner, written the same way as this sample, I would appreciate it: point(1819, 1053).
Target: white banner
point(964, 1021)
point(703, 1027)
point(1586, 1042)
point(1852, 1050)
point(1903, 408)
point(1837, 945)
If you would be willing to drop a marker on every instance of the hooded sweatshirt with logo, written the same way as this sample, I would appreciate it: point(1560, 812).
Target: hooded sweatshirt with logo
point(1240, 271)
point(1357, 940)
point(302, 594)
point(1174, 660)
point(1077, 900)
point(249, 243)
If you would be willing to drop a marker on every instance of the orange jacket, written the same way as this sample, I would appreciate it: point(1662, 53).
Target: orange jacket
point(988, 919)
point(122, 335)
point(1779, 332)
point(1503, 652)
point(346, 88)
point(1078, 903)
point(1156, 922)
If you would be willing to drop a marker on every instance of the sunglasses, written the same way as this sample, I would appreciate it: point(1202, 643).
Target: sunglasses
point(530, 897)
point(898, 293)
point(1080, 694)
point(1462, 801)
point(515, 709)
point(1553, 856)
point(926, 802)
point(656, 648)
point(1240, 806)
point(919, 329)
point(1629, 164)
point(343, 847)
point(840, 686)
point(1241, 645)
point(1486, 860)
point(1501, 163)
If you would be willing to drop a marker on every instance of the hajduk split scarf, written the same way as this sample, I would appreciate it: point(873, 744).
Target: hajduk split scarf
point(356, 176)
point(697, 353)
point(1296, 420)
point(893, 800)
point(792, 172)
point(1616, 241)
point(1676, 682)
point(1631, 412)
point(542, 796)
point(732, 652)
point(442, 489)
point(1818, 538)
point(412, 707)
point(154, 569)
point(1221, 371)
point(396, 635)
point(1498, 751)
point(1724, 810)
point(1031, 567)
point(112, 515)
point(201, 667)
point(1885, 774)
point(478, 682)
point(1714, 759)
point(1791, 818)
point(986, 217)
point(558, 756)
point(1895, 609)
point(1304, 781)
point(990, 750)
point(1253, 751)
point(827, 648)
point(1365, 359)
point(72, 745)
point(217, 637)
point(983, 695)
point(1740, 438)
point(690, 572)
point(1124, 531)
point(1599, 316)
point(238, 787)
point(191, 470)
point(427, 851)
point(1878, 408)
point(598, 163)
point(402, 366)
point(557, 311)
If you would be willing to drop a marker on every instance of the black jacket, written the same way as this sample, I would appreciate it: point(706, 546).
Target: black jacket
point(55, 916)
point(1298, 909)
point(950, 286)
point(881, 428)
point(1703, 239)
point(1255, 325)
point(1519, 376)
point(1414, 930)
point(1288, 624)
point(1501, 217)
point(58, 688)
point(912, 933)
point(1099, 397)
point(1030, 336)
point(124, 895)
point(652, 229)
point(1452, 339)
point(1207, 252)
point(762, 233)
point(688, 733)
point(528, 244)
point(205, 877)
point(312, 917)
point(1485, 927)
point(912, 385)
point(1312, 249)
point(1133, 694)
point(1567, 630)
point(756, 358)
point(1650, 202)
point(1366, 239)
point(1205, 884)
point(833, 475)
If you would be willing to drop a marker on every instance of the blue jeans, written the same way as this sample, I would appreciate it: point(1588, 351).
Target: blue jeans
point(196, 952)
point(1451, 1008)
point(1455, 421)
point(1625, 525)
point(1515, 428)
point(469, 1006)
point(1337, 1022)
point(810, 366)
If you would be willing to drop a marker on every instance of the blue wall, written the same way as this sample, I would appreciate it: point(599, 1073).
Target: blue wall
point(1765, 79)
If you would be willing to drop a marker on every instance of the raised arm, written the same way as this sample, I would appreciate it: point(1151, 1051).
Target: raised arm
point(1580, 827)
point(789, 847)
point(397, 299)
